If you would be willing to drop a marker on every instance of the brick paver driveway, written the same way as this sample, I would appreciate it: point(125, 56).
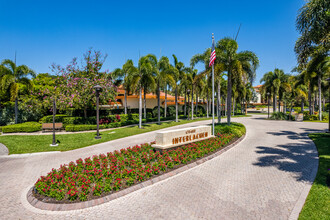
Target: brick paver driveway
point(263, 177)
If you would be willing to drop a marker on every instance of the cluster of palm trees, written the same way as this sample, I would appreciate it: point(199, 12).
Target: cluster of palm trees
point(308, 85)
point(14, 79)
point(153, 75)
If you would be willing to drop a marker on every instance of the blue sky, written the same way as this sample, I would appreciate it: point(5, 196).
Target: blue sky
point(46, 32)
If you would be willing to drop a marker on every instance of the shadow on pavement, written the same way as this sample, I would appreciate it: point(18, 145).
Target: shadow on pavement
point(297, 158)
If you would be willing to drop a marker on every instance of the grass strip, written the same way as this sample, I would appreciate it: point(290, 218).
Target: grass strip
point(317, 205)
point(20, 144)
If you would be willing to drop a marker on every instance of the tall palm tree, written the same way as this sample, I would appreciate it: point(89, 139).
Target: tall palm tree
point(13, 77)
point(274, 82)
point(237, 64)
point(179, 74)
point(141, 75)
point(313, 25)
point(123, 75)
point(319, 65)
point(162, 74)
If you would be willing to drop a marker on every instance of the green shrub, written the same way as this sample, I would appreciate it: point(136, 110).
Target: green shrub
point(49, 118)
point(24, 127)
point(235, 128)
point(278, 116)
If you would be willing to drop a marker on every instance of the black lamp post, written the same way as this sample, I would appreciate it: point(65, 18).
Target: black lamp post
point(98, 89)
point(268, 102)
point(328, 79)
point(188, 91)
point(54, 144)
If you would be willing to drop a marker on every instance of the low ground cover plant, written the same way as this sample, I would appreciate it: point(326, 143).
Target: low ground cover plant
point(102, 174)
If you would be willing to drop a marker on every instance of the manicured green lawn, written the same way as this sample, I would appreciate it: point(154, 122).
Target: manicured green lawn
point(317, 205)
point(19, 144)
point(317, 121)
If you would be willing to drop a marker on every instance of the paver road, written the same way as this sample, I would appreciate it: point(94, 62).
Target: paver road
point(262, 177)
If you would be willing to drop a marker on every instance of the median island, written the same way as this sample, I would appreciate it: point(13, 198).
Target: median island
point(105, 174)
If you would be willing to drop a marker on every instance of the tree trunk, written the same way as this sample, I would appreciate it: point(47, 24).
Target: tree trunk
point(196, 102)
point(192, 103)
point(207, 105)
point(313, 106)
point(140, 108)
point(233, 106)
point(274, 101)
point(165, 110)
point(125, 103)
point(320, 101)
point(85, 112)
point(145, 104)
point(310, 99)
point(16, 110)
point(185, 102)
point(226, 101)
point(158, 103)
point(229, 97)
point(176, 104)
point(219, 103)
point(279, 105)
point(302, 105)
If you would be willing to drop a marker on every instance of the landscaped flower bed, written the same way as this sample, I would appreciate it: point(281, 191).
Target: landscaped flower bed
point(101, 175)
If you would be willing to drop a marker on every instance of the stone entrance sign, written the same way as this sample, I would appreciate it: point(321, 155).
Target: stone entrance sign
point(173, 138)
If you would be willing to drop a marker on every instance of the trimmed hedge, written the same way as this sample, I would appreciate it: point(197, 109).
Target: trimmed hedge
point(24, 127)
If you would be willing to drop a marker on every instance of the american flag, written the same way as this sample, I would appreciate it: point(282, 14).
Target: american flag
point(212, 57)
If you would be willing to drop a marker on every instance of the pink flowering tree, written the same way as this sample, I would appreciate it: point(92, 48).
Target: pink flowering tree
point(74, 84)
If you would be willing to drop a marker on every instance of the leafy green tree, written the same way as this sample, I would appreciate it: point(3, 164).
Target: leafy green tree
point(313, 23)
point(12, 78)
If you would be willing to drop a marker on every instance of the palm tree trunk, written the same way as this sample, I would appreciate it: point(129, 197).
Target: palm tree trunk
point(207, 105)
point(310, 99)
point(145, 104)
point(226, 102)
point(176, 104)
point(320, 101)
point(125, 102)
point(219, 103)
point(229, 97)
point(279, 105)
point(16, 110)
point(165, 110)
point(274, 101)
point(158, 103)
point(313, 105)
point(233, 106)
point(192, 103)
point(140, 107)
point(302, 105)
point(185, 102)
point(196, 102)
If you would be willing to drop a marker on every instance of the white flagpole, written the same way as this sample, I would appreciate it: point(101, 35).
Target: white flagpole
point(212, 90)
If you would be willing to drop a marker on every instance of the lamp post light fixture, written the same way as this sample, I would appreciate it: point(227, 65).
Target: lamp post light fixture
point(328, 79)
point(98, 89)
point(268, 102)
point(188, 91)
point(54, 144)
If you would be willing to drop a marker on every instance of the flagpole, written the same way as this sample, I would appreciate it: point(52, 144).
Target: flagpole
point(212, 90)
